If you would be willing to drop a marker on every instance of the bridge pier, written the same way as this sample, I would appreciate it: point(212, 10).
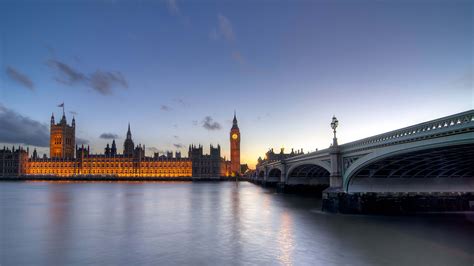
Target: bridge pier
point(335, 179)
point(281, 187)
point(337, 201)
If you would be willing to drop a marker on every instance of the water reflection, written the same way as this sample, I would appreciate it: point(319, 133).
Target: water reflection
point(211, 224)
point(285, 239)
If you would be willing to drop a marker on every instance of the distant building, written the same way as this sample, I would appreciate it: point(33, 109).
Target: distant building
point(207, 165)
point(12, 161)
point(272, 156)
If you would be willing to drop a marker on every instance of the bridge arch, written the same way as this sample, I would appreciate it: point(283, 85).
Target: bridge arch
point(261, 174)
point(274, 175)
point(308, 173)
point(442, 164)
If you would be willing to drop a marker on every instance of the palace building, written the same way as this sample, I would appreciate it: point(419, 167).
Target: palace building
point(68, 160)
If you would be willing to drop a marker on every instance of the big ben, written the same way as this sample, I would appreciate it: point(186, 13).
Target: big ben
point(235, 148)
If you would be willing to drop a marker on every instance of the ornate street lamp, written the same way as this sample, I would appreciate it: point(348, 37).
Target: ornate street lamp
point(334, 125)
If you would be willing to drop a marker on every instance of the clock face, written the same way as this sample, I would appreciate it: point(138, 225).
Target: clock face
point(234, 136)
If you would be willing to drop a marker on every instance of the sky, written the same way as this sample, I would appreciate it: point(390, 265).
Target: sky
point(176, 70)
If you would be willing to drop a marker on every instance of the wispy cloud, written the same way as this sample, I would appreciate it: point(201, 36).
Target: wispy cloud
point(176, 137)
point(225, 28)
point(67, 74)
point(104, 81)
point(108, 136)
point(165, 108)
point(173, 7)
point(209, 123)
point(19, 77)
point(18, 129)
point(178, 145)
point(181, 101)
point(195, 122)
point(100, 81)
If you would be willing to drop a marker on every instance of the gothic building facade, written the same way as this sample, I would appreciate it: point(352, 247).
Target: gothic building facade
point(235, 147)
point(62, 138)
point(208, 165)
point(67, 159)
point(12, 161)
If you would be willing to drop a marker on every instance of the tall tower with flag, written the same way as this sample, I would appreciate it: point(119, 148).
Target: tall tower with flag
point(62, 138)
point(235, 147)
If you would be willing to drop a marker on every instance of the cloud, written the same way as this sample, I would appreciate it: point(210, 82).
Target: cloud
point(103, 81)
point(154, 149)
point(68, 75)
point(81, 141)
point(195, 123)
point(181, 101)
point(178, 145)
point(19, 77)
point(108, 136)
point(238, 57)
point(225, 28)
point(209, 124)
point(18, 129)
point(173, 7)
point(165, 108)
point(100, 81)
point(73, 112)
point(176, 137)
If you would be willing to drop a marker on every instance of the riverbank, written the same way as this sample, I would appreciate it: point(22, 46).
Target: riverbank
point(118, 179)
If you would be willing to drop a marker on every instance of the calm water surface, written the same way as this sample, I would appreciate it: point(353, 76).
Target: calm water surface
point(211, 224)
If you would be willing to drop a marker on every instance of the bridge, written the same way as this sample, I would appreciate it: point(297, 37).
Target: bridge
point(434, 156)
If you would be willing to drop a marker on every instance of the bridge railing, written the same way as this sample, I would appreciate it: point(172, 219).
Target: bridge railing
point(430, 128)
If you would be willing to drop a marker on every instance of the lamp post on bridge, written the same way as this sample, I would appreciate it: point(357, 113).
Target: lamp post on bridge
point(335, 179)
point(334, 125)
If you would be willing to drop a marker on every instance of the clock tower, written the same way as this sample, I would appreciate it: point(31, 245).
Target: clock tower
point(235, 148)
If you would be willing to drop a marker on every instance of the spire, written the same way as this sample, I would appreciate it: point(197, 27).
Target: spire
point(234, 122)
point(52, 118)
point(73, 121)
point(129, 133)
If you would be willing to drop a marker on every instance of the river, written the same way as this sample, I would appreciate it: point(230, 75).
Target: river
point(211, 223)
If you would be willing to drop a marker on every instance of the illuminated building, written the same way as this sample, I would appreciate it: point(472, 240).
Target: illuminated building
point(235, 147)
point(62, 139)
point(68, 160)
point(132, 163)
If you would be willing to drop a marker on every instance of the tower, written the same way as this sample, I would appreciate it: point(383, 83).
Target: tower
point(113, 150)
point(62, 138)
point(128, 146)
point(235, 147)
